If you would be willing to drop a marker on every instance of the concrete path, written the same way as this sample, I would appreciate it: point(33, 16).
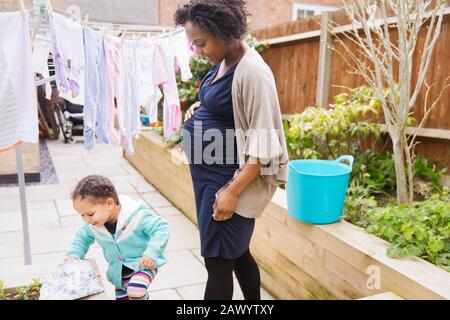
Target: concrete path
point(53, 223)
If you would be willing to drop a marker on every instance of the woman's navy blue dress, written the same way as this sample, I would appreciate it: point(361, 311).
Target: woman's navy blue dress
point(231, 238)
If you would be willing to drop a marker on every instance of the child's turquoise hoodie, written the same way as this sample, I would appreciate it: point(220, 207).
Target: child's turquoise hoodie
point(139, 232)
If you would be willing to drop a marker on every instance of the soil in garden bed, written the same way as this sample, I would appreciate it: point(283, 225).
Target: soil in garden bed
point(12, 294)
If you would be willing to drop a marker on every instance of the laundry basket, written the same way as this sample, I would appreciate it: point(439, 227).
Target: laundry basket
point(316, 189)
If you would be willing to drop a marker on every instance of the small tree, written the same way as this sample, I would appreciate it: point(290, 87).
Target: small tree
point(374, 61)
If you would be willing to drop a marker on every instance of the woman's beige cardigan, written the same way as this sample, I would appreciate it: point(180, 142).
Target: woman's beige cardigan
point(259, 132)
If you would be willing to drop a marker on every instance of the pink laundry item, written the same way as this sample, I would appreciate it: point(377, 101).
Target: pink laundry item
point(113, 54)
point(175, 52)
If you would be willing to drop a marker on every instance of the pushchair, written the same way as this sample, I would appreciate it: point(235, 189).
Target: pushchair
point(70, 120)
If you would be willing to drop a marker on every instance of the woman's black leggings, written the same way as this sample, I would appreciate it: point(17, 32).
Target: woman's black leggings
point(220, 277)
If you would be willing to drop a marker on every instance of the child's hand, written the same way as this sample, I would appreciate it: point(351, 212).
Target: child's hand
point(147, 263)
point(70, 259)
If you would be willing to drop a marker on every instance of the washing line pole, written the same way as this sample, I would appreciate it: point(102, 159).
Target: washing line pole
point(23, 206)
point(23, 198)
point(21, 180)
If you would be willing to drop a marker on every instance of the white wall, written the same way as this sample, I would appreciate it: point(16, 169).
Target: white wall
point(118, 11)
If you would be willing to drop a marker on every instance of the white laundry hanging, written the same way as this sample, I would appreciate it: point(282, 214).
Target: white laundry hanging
point(176, 52)
point(151, 74)
point(140, 66)
point(41, 50)
point(18, 111)
point(68, 57)
point(128, 106)
point(145, 66)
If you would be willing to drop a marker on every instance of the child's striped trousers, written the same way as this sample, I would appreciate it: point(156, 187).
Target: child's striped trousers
point(136, 285)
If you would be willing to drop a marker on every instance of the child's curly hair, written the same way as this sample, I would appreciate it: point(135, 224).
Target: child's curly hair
point(226, 19)
point(98, 188)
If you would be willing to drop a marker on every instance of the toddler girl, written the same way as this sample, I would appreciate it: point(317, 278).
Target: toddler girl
point(132, 237)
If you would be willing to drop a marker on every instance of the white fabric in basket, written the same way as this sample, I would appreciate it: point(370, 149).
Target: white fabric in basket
point(70, 281)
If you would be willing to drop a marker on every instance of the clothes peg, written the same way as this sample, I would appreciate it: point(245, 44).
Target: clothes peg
point(86, 19)
point(49, 6)
point(22, 8)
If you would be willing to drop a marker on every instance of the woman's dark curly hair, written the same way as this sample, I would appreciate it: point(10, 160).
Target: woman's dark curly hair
point(225, 19)
point(98, 188)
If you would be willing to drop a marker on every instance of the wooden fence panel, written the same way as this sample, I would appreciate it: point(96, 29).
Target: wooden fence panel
point(295, 67)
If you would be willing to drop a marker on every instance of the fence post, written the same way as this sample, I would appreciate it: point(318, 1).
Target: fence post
point(324, 67)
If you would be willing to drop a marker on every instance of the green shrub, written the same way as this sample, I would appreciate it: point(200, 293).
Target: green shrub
point(422, 229)
point(357, 203)
point(188, 91)
point(427, 170)
point(376, 173)
point(327, 133)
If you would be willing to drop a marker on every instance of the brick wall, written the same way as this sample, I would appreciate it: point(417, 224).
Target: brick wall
point(166, 9)
point(9, 5)
point(264, 13)
point(114, 11)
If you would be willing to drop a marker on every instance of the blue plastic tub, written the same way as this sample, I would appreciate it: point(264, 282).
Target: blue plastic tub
point(316, 189)
point(145, 120)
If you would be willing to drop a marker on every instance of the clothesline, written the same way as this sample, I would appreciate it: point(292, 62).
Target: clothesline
point(161, 35)
point(172, 52)
point(44, 81)
point(133, 72)
point(128, 71)
point(130, 29)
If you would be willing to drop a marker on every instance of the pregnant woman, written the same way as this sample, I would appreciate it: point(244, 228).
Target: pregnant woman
point(234, 141)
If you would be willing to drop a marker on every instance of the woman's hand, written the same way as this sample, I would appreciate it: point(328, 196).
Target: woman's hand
point(191, 110)
point(226, 202)
point(147, 263)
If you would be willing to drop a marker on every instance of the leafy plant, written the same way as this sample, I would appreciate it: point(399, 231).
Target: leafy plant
point(35, 285)
point(375, 172)
point(427, 170)
point(3, 294)
point(357, 203)
point(30, 292)
point(188, 91)
point(327, 133)
point(422, 229)
point(258, 45)
point(22, 293)
point(175, 139)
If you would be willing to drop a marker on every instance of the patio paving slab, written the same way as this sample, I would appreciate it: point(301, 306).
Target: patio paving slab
point(54, 222)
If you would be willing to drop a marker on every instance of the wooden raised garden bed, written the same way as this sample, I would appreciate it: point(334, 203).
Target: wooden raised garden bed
point(300, 261)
